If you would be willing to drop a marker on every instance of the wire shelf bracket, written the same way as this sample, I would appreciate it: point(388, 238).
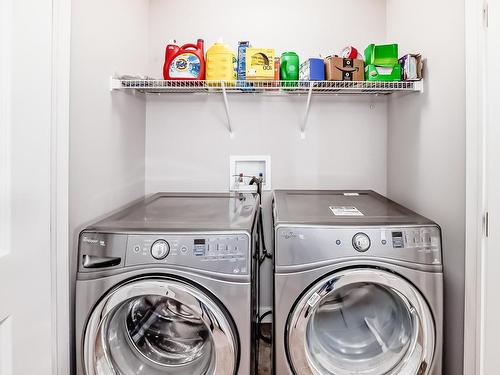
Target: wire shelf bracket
point(226, 107)
point(306, 113)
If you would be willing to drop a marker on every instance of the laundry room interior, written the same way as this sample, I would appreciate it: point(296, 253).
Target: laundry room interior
point(408, 146)
point(262, 188)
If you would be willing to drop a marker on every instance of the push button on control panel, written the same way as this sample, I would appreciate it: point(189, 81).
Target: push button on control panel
point(160, 249)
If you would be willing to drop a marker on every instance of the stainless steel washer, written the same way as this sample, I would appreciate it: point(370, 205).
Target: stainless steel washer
point(358, 286)
point(169, 286)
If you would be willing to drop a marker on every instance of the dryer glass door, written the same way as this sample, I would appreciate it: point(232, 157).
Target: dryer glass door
point(361, 321)
point(160, 326)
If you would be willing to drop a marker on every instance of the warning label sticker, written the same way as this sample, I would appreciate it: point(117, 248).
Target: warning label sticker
point(345, 211)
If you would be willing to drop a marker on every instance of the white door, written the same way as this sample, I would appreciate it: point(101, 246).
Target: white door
point(26, 329)
point(491, 262)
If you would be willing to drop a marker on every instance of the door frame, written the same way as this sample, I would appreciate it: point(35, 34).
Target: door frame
point(475, 207)
point(59, 190)
point(475, 75)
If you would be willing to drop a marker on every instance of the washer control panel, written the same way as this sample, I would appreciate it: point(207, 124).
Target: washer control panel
point(223, 253)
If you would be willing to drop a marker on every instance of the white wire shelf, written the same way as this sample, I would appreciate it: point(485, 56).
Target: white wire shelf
point(279, 88)
point(267, 87)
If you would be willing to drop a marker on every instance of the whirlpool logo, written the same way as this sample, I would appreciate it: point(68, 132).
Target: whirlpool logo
point(287, 235)
point(94, 241)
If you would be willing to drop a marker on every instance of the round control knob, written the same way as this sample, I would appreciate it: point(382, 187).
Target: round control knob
point(361, 242)
point(160, 249)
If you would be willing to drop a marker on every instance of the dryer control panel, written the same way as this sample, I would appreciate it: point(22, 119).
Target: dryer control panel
point(309, 245)
point(227, 253)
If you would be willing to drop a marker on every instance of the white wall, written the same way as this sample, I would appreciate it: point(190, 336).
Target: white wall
point(426, 143)
point(187, 144)
point(318, 27)
point(106, 129)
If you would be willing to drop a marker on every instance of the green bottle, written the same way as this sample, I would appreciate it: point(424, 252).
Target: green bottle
point(289, 67)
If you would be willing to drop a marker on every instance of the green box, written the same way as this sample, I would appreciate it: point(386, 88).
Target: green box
point(383, 73)
point(386, 54)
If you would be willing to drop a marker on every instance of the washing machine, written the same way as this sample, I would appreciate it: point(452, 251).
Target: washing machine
point(358, 286)
point(169, 286)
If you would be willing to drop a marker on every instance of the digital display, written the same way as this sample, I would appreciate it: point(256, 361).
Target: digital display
point(397, 240)
point(199, 247)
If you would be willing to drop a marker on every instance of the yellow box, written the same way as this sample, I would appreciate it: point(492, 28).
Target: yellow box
point(259, 63)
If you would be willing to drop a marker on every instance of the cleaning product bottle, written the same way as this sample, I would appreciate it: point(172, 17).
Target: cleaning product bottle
point(185, 62)
point(221, 62)
point(289, 68)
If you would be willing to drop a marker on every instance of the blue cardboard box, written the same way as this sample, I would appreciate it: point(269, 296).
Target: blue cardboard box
point(312, 70)
point(241, 67)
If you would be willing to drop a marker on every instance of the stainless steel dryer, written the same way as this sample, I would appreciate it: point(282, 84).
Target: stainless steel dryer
point(168, 286)
point(358, 286)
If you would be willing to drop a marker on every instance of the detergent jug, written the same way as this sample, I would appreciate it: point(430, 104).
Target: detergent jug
point(221, 62)
point(289, 68)
point(185, 62)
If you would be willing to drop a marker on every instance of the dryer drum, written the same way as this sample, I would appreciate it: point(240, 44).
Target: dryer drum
point(365, 321)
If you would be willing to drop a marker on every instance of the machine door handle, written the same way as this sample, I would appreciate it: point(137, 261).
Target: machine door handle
point(92, 261)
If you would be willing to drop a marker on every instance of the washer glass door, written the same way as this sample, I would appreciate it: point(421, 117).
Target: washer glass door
point(159, 326)
point(361, 321)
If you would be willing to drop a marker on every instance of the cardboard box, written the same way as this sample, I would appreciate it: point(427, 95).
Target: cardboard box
point(381, 55)
point(277, 61)
point(340, 69)
point(241, 69)
point(259, 63)
point(411, 67)
point(383, 73)
point(312, 70)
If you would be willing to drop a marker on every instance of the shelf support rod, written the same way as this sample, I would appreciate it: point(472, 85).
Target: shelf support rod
point(226, 107)
point(306, 114)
